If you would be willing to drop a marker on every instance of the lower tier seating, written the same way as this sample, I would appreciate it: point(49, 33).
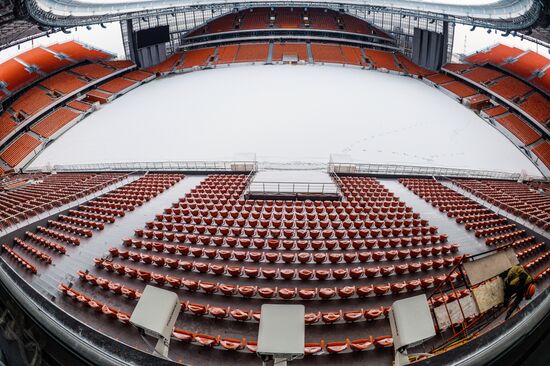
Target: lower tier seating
point(520, 129)
point(327, 53)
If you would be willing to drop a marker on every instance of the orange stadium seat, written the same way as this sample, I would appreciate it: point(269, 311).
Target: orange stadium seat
point(15, 75)
point(138, 75)
point(510, 88)
point(356, 25)
point(543, 82)
point(527, 64)
point(457, 68)
point(63, 83)
point(327, 53)
point(537, 106)
point(227, 54)
point(98, 96)
point(255, 19)
point(520, 129)
point(542, 150)
point(494, 55)
point(92, 71)
point(7, 125)
point(78, 51)
point(495, 111)
point(322, 19)
point(252, 52)
point(440, 79)
point(120, 64)
point(43, 59)
point(352, 55)
point(288, 17)
point(297, 49)
point(382, 59)
point(79, 105)
point(198, 57)
point(32, 101)
point(53, 122)
point(117, 85)
point(412, 68)
point(482, 75)
point(19, 150)
point(460, 89)
point(167, 65)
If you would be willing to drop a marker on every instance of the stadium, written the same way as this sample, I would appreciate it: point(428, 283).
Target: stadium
point(246, 183)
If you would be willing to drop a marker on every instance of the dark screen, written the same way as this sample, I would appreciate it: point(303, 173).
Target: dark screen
point(151, 36)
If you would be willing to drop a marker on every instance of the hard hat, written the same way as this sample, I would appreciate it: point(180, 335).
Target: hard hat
point(530, 291)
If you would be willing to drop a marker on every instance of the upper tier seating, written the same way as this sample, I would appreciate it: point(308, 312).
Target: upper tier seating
point(327, 53)
point(79, 52)
point(495, 111)
point(537, 106)
point(412, 68)
point(79, 105)
point(322, 19)
point(439, 79)
point(93, 71)
point(138, 75)
point(460, 89)
point(19, 150)
point(117, 85)
point(382, 59)
point(31, 102)
point(543, 82)
point(44, 60)
point(457, 67)
point(56, 120)
point(510, 88)
point(252, 53)
point(495, 55)
point(520, 129)
point(167, 65)
point(255, 18)
point(297, 49)
point(527, 65)
point(64, 83)
point(542, 150)
point(120, 64)
point(288, 18)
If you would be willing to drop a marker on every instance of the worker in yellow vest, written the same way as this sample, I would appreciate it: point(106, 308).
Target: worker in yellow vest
point(519, 283)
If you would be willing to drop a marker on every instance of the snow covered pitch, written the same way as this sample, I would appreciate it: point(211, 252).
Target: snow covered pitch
point(287, 114)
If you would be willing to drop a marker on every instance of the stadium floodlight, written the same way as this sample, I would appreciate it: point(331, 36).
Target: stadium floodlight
point(411, 323)
point(102, 25)
point(473, 28)
point(506, 34)
point(65, 30)
point(281, 337)
point(155, 315)
point(489, 31)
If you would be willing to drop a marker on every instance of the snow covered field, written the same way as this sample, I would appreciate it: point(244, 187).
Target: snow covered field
point(287, 114)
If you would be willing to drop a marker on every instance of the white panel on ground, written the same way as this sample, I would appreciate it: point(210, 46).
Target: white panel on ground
point(288, 114)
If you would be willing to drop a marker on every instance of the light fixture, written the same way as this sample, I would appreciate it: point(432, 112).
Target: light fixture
point(473, 28)
point(488, 31)
point(88, 27)
point(103, 25)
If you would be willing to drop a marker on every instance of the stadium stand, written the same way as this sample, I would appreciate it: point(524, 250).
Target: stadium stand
point(537, 106)
point(7, 125)
point(322, 19)
point(288, 18)
point(78, 52)
point(412, 68)
point(31, 102)
point(167, 65)
point(199, 57)
point(327, 53)
point(63, 82)
point(256, 18)
point(495, 55)
point(542, 150)
point(439, 79)
point(227, 54)
point(92, 71)
point(102, 97)
point(120, 64)
point(482, 75)
point(543, 82)
point(457, 67)
point(139, 75)
point(19, 150)
point(495, 111)
point(527, 65)
point(352, 55)
point(510, 88)
point(295, 49)
point(520, 129)
point(15, 75)
point(382, 59)
point(80, 105)
point(459, 89)
point(118, 85)
point(252, 53)
point(55, 121)
point(43, 59)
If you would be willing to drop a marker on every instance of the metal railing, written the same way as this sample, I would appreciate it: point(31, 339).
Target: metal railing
point(413, 170)
point(292, 187)
point(191, 166)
